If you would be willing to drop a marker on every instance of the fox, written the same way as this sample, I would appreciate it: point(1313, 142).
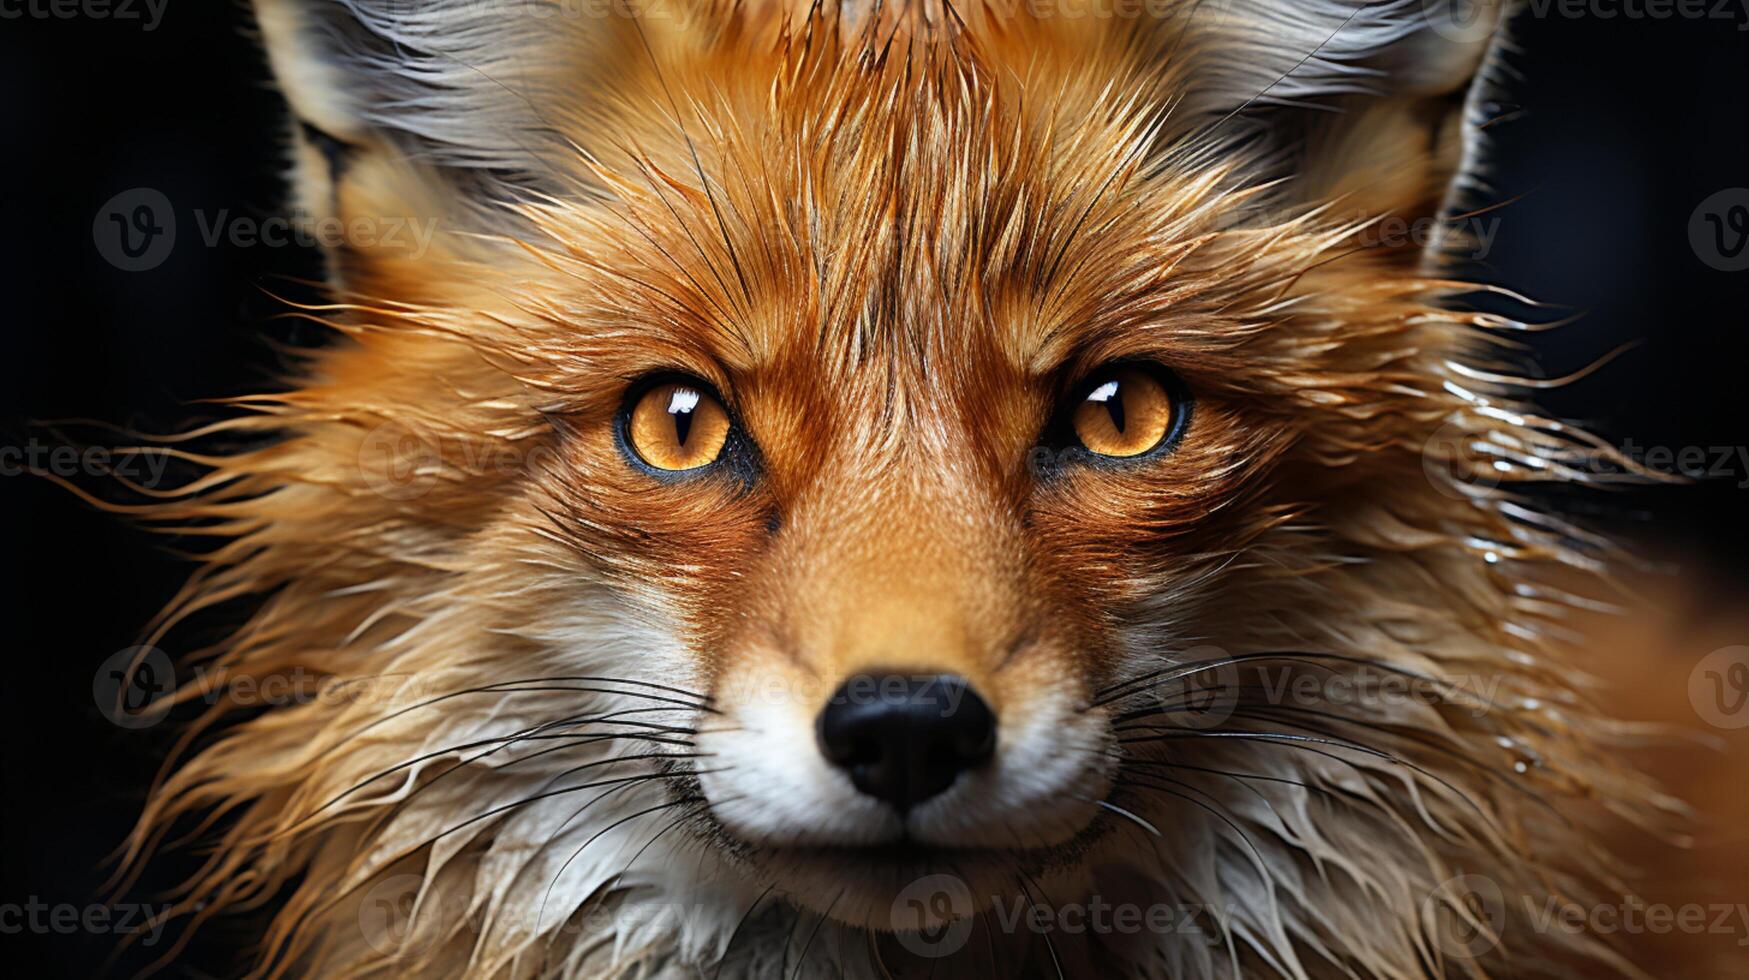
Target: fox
point(865, 488)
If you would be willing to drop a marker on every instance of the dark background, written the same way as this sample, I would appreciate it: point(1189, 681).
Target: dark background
point(1627, 126)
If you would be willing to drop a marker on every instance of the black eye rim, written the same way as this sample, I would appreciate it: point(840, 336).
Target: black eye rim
point(1061, 435)
point(738, 457)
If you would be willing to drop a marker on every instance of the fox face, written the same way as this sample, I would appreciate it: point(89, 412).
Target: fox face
point(832, 449)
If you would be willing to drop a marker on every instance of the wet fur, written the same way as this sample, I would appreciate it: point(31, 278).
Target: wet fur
point(891, 237)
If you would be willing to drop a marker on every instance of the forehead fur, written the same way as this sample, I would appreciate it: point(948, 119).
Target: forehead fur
point(913, 195)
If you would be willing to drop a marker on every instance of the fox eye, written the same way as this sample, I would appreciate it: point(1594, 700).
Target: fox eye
point(1126, 410)
point(678, 425)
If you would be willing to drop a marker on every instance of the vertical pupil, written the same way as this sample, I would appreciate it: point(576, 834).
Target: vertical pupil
point(682, 426)
point(1114, 407)
point(680, 406)
point(1111, 395)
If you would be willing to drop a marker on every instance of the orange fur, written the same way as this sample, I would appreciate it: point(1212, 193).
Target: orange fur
point(892, 237)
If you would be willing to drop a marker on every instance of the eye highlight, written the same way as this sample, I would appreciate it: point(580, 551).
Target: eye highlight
point(1126, 411)
point(678, 425)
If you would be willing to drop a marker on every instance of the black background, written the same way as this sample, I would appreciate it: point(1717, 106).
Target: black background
point(1628, 125)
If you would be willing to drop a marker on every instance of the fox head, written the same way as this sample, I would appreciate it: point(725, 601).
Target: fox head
point(838, 471)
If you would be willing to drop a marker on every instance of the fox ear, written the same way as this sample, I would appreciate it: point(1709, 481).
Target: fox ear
point(1367, 103)
point(447, 109)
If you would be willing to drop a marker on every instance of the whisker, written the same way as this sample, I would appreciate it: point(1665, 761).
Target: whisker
point(540, 913)
point(540, 684)
point(568, 789)
point(802, 958)
point(746, 917)
point(1032, 905)
point(1167, 674)
point(1285, 738)
point(504, 741)
point(1478, 766)
point(1233, 775)
point(1256, 854)
point(1120, 811)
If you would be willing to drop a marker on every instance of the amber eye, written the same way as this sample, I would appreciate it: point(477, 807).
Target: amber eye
point(678, 425)
point(1126, 411)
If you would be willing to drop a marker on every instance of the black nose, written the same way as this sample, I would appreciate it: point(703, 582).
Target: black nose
point(905, 738)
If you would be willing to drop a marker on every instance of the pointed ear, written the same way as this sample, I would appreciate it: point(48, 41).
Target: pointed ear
point(451, 110)
point(1369, 104)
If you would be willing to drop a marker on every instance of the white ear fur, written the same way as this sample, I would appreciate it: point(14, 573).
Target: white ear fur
point(1373, 103)
point(1305, 52)
point(311, 85)
point(457, 82)
point(449, 108)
